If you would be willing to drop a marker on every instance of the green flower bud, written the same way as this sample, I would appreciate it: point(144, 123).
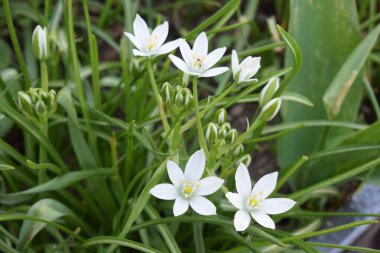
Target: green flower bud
point(238, 150)
point(167, 92)
point(211, 132)
point(231, 136)
point(188, 98)
point(221, 116)
point(268, 91)
point(40, 44)
point(244, 159)
point(270, 110)
point(178, 100)
point(24, 101)
point(223, 130)
point(41, 109)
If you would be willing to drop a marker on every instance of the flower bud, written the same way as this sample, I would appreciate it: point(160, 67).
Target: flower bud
point(221, 116)
point(270, 110)
point(212, 132)
point(39, 41)
point(167, 92)
point(244, 159)
point(231, 136)
point(223, 130)
point(268, 91)
point(238, 150)
point(187, 98)
point(178, 100)
point(40, 109)
point(24, 101)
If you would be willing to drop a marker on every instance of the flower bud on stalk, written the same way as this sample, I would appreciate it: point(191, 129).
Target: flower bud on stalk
point(24, 102)
point(211, 132)
point(244, 159)
point(238, 150)
point(231, 136)
point(268, 91)
point(270, 110)
point(188, 98)
point(40, 44)
point(221, 116)
point(167, 92)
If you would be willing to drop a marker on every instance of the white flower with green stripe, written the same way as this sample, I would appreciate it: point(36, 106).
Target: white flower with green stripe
point(187, 188)
point(254, 202)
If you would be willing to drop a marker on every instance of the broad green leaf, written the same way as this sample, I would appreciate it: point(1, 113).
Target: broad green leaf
point(325, 48)
point(338, 90)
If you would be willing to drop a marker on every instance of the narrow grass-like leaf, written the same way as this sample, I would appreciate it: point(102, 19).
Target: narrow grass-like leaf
point(119, 242)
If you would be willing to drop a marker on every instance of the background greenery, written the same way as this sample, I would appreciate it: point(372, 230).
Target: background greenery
point(105, 148)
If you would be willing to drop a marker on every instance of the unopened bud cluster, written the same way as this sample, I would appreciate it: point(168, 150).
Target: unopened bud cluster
point(178, 98)
point(220, 131)
point(37, 104)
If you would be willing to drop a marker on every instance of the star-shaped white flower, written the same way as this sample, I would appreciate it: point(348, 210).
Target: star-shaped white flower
point(188, 188)
point(244, 71)
point(254, 202)
point(196, 61)
point(148, 43)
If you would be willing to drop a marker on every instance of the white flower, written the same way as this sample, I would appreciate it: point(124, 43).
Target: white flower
point(39, 41)
point(254, 202)
point(148, 43)
point(244, 71)
point(188, 188)
point(196, 61)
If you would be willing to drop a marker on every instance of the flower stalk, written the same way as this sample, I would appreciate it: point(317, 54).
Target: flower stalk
point(201, 137)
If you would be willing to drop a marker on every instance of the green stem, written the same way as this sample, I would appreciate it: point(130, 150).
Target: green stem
point(47, 11)
point(44, 77)
point(209, 107)
point(43, 153)
point(78, 81)
point(201, 137)
point(157, 97)
point(16, 45)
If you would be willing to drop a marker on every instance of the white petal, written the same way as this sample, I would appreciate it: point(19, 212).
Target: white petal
point(201, 45)
point(241, 220)
point(236, 199)
point(202, 205)
point(214, 72)
point(195, 166)
point(168, 47)
point(179, 63)
point(186, 52)
point(265, 186)
point(164, 191)
point(209, 185)
point(180, 206)
point(263, 219)
point(276, 205)
point(234, 63)
point(175, 173)
point(243, 181)
point(212, 58)
point(138, 53)
point(160, 33)
point(134, 41)
point(140, 29)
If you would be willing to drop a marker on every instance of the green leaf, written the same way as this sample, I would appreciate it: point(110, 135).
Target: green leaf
point(47, 209)
point(120, 242)
point(325, 48)
point(340, 86)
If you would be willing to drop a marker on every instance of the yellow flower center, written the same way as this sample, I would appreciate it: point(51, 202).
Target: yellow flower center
point(152, 42)
point(255, 200)
point(189, 188)
point(198, 61)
